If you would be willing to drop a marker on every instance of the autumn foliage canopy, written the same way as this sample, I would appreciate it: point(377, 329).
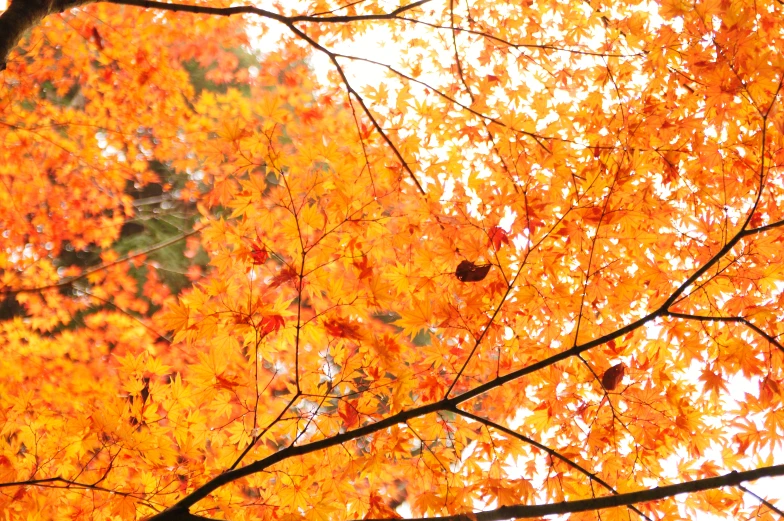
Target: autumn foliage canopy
point(527, 261)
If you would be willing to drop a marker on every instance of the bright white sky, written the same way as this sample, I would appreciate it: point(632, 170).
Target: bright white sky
point(372, 46)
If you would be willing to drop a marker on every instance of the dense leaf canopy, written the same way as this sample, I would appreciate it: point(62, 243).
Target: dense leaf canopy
point(525, 261)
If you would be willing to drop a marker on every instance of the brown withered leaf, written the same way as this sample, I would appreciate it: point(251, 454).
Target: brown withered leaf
point(612, 377)
point(467, 271)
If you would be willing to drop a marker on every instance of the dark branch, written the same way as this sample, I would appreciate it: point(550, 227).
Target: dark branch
point(767, 227)
point(539, 46)
point(548, 450)
point(249, 9)
point(200, 9)
point(63, 483)
point(739, 320)
point(24, 14)
point(352, 92)
point(289, 452)
point(585, 505)
point(763, 501)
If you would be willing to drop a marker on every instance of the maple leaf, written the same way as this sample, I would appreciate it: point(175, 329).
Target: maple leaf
point(348, 413)
point(415, 317)
point(432, 388)
point(271, 323)
point(714, 383)
point(258, 253)
point(287, 274)
point(125, 507)
point(378, 509)
point(365, 270)
point(226, 382)
point(176, 318)
point(497, 237)
point(342, 328)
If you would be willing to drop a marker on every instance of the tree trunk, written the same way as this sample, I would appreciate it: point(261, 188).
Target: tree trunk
point(23, 15)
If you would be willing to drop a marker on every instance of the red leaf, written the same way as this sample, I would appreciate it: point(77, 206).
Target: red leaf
point(467, 271)
point(286, 274)
point(271, 323)
point(365, 270)
point(258, 252)
point(379, 508)
point(497, 237)
point(343, 329)
point(226, 382)
point(612, 377)
point(348, 413)
point(239, 318)
point(311, 114)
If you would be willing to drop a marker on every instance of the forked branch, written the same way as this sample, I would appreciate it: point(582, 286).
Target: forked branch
point(24, 14)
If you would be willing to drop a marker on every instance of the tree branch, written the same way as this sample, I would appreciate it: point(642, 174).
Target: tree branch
point(249, 9)
point(352, 92)
point(63, 483)
point(762, 500)
point(107, 265)
point(741, 320)
point(584, 505)
point(24, 14)
point(548, 450)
